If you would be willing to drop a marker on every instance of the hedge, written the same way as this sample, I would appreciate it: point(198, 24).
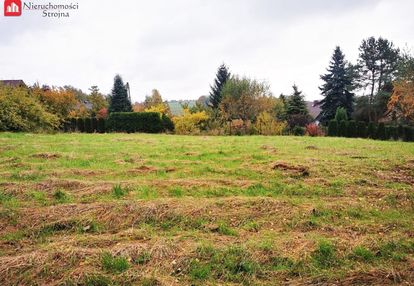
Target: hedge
point(101, 125)
point(343, 128)
point(380, 134)
point(361, 129)
point(88, 125)
point(80, 125)
point(130, 122)
point(372, 130)
point(333, 128)
point(352, 129)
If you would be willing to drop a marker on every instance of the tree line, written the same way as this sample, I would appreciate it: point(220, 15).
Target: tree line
point(383, 77)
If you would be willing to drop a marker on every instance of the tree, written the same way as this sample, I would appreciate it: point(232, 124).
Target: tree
point(119, 98)
point(243, 98)
point(154, 103)
point(21, 111)
point(377, 62)
point(58, 101)
point(296, 109)
point(266, 124)
point(222, 76)
point(401, 103)
point(337, 89)
point(97, 101)
point(341, 114)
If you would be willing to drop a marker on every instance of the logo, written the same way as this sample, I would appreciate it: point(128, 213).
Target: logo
point(12, 8)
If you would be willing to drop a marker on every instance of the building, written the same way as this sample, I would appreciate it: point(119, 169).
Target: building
point(13, 83)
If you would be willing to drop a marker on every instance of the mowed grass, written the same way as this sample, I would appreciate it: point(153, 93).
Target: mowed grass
point(135, 209)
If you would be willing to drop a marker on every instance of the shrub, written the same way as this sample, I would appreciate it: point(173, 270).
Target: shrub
point(380, 134)
point(80, 125)
point(371, 130)
point(167, 123)
point(190, 123)
point(114, 264)
point(21, 111)
point(343, 128)
point(341, 114)
point(101, 125)
point(408, 134)
point(333, 128)
point(352, 129)
point(400, 131)
point(88, 125)
point(361, 129)
point(394, 132)
point(130, 122)
point(313, 130)
point(298, 131)
point(266, 124)
point(73, 124)
point(94, 124)
point(388, 132)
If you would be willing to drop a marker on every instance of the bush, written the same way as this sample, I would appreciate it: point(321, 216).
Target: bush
point(341, 114)
point(298, 131)
point(190, 123)
point(80, 125)
point(88, 125)
point(408, 134)
point(167, 123)
point(388, 132)
point(266, 124)
point(343, 128)
point(101, 125)
point(20, 110)
point(73, 124)
point(333, 128)
point(130, 122)
point(352, 129)
point(380, 134)
point(393, 130)
point(313, 130)
point(94, 124)
point(371, 130)
point(400, 131)
point(361, 129)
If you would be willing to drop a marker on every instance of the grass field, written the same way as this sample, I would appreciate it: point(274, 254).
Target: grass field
point(118, 209)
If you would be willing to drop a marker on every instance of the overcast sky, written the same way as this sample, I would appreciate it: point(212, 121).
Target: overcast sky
point(177, 45)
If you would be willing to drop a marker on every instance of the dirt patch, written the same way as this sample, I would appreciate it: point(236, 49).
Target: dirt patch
point(143, 170)
point(311, 148)
point(297, 170)
point(47, 156)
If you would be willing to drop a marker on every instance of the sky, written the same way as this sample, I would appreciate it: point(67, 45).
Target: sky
point(176, 46)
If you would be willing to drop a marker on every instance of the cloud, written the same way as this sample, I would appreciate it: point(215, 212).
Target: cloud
point(176, 46)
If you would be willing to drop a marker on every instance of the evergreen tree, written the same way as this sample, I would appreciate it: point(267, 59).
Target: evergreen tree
point(119, 98)
point(337, 88)
point(216, 96)
point(341, 114)
point(296, 103)
point(296, 109)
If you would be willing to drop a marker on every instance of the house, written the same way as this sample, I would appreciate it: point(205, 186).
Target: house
point(13, 83)
point(313, 108)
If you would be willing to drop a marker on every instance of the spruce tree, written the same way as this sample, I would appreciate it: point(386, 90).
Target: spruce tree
point(119, 98)
point(296, 103)
point(337, 88)
point(222, 76)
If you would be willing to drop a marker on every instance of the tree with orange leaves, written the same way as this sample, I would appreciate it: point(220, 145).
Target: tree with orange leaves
point(401, 102)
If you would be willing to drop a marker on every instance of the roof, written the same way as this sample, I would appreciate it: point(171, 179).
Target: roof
point(12, 82)
point(313, 108)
